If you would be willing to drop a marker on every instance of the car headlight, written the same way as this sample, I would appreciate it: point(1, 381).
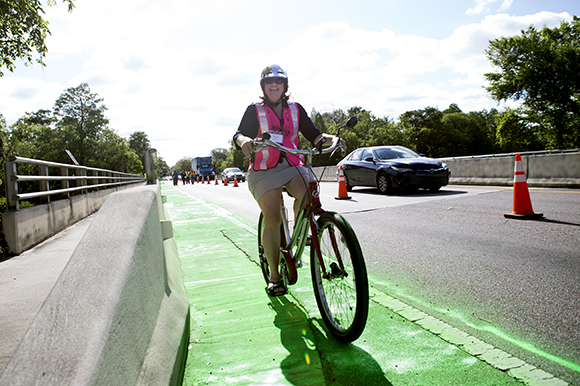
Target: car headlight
point(401, 170)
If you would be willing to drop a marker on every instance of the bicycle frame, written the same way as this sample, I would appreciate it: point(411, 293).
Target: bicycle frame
point(310, 206)
point(339, 275)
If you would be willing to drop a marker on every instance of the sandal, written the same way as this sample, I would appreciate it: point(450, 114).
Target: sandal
point(277, 289)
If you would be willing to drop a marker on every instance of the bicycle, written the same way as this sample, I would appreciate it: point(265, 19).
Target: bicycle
point(339, 275)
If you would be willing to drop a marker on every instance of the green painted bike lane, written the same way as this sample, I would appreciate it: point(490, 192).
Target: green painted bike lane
point(241, 336)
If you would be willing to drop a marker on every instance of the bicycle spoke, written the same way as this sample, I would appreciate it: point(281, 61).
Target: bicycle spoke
point(341, 290)
point(339, 285)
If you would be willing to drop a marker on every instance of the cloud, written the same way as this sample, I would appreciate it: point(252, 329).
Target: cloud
point(506, 5)
point(184, 72)
point(482, 6)
point(21, 95)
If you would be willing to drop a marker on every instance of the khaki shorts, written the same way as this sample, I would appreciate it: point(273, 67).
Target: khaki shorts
point(261, 181)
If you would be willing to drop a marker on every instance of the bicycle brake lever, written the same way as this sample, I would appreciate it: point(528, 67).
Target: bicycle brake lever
point(319, 144)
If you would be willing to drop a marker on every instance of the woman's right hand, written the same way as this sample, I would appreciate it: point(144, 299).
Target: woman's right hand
point(246, 144)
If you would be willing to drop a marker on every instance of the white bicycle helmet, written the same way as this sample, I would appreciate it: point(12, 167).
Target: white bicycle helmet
point(273, 71)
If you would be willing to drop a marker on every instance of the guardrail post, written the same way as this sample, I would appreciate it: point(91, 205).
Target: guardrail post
point(83, 182)
point(64, 184)
point(11, 185)
point(44, 185)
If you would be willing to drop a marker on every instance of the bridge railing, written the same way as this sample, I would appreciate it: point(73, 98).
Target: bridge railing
point(68, 179)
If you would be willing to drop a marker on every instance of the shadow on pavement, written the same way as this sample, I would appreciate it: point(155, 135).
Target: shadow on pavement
point(307, 342)
point(408, 192)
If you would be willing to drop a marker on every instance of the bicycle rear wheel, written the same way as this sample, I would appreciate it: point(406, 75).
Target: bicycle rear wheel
point(342, 293)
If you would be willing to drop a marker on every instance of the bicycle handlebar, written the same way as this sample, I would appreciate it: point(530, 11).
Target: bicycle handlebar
point(258, 143)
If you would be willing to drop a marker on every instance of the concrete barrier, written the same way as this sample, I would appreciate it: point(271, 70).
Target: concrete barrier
point(28, 227)
point(119, 313)
point(551, 170)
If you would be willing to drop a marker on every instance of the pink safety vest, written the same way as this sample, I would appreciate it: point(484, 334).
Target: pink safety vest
point(268, 157)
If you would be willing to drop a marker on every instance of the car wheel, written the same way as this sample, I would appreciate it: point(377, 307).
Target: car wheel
point(384, 184)
point(434, 188)
point(347, 183)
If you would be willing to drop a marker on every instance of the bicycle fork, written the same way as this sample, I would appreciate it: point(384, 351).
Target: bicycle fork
point(335, 270)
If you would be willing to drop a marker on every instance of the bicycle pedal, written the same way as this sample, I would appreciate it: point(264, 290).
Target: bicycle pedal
point(335, 269)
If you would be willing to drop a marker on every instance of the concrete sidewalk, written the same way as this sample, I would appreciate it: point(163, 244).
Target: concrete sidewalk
point(239, 335)
point(27, 279)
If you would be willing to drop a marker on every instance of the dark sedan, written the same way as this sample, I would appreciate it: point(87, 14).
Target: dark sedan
point(393, 167)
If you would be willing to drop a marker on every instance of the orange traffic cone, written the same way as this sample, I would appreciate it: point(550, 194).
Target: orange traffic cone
point(342, 194)
point(235, 182)
point(216, 181)
point(522, 205)
point(197, 179)
point(225, 181)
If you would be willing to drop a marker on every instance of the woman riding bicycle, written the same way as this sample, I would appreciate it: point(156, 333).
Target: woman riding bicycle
point(270, 169)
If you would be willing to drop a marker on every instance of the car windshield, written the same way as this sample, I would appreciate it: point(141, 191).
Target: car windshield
point(234, 170)
point(395, 152)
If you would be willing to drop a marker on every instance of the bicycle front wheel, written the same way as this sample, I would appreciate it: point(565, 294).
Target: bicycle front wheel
point(341, 290)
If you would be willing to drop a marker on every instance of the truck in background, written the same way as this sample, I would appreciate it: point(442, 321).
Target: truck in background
point(203, 167)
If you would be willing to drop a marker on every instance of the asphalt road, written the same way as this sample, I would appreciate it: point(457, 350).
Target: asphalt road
point(514, 284)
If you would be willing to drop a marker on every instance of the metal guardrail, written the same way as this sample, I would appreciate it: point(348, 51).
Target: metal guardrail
point(83, 177)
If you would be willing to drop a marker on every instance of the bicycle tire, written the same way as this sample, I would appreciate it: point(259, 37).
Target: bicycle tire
point(288, 269)
point(343, 297)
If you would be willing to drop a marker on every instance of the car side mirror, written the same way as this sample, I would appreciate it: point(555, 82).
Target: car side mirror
point(370, 159)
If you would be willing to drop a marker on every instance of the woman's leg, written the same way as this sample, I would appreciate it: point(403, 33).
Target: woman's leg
point(270, 204)
point(298, 187)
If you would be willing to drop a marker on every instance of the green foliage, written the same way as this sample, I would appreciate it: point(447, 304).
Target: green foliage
point(448, 133)
point(219, 158)
point(164, 169)
point(139, 143)
point(81, 120)
point(114, 153)
point(23, 31)
point(514, 133)
point(542, 69)
point(424, 131)
point(78, 124)
point(183, 164)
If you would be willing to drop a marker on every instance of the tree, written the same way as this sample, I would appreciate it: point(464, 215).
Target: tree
point(22, 31)
point(114, 153)
point(183, 164)
point(329, 122)
point(542, 69)
point(29, 137)
point(425, 132)
point(82, 119)
point(514, 133)
point(139, 142)
point(219, 158)
point(162, 167)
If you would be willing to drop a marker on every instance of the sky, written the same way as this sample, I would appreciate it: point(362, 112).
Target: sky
point(184, 71)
